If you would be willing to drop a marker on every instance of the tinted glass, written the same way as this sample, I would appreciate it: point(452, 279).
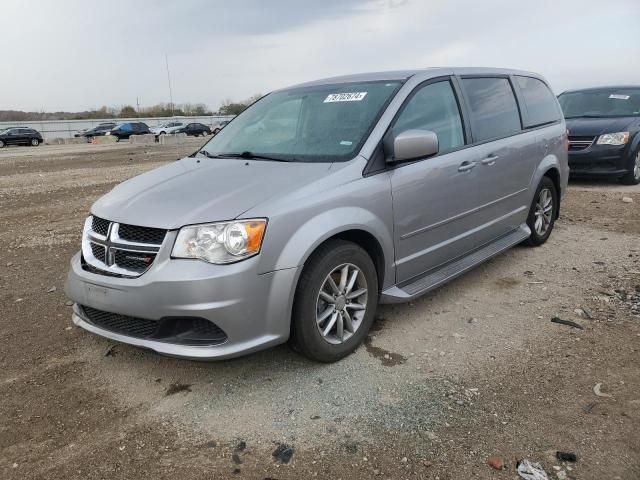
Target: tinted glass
point(610, 102)
point(434, 107)
point(541, 104)
point(494, 111)
point(321, 123)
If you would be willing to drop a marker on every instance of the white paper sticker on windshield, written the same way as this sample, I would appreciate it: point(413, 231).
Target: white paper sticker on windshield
point(345, 97)
point(619, 97)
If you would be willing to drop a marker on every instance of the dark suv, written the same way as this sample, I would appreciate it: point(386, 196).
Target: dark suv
point(604, 126)
point(20, 136)
point(125, 130)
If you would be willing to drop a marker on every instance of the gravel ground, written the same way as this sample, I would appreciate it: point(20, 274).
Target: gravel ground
point(471, 370)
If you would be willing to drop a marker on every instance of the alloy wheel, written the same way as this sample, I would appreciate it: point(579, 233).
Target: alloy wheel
point(543, 212)
point(341, 303)
point(636, 167)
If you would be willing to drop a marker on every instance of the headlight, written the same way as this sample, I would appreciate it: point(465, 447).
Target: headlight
point(619, 138)
point(223, 242)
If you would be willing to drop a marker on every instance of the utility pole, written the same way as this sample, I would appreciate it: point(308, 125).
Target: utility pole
point(138, 105)
point(166, 60)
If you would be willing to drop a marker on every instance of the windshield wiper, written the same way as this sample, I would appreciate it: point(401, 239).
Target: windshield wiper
point(207, 154)
point(251, 156)
point(585, 116)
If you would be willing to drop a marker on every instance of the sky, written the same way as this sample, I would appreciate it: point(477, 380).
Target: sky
point(77, 55)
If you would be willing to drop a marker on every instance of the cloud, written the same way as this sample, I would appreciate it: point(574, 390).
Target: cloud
point(73, 54)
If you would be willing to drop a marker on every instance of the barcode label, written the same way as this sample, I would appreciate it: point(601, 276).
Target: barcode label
point(345, 97)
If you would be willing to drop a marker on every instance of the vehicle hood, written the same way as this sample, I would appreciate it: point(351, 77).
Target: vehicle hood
point(200, 190)
point(597, 126)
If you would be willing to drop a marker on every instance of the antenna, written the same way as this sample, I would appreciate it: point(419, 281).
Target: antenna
point(166, 60)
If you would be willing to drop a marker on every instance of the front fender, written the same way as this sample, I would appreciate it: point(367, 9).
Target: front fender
point(319, 228)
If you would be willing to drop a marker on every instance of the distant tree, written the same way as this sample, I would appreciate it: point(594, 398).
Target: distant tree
point(128, 112)
point(234, 108)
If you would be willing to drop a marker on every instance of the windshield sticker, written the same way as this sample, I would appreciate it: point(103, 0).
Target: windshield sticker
point(346, 143)
point(619, 97)
point(345, 97)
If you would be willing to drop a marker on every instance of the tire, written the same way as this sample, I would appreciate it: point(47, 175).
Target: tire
point(215, 131)
point(162, 133)
point(633, 177)
point(1, 144)
point(35, 142)
point(330, 261)
point(117, 138)
point(541, 220)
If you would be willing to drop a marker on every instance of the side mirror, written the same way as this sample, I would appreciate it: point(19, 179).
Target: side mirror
point(413, 144)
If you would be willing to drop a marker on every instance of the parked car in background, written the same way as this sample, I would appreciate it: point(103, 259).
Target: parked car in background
point(96, 131)
point(318, 202)
point(125, 130)
point(604, 132)
point(168, 127)
point(20, 136)
point(219, 126)
point(195, 130)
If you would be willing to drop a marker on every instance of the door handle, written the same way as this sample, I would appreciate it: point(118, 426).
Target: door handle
point(490, 160)
point(466, 166)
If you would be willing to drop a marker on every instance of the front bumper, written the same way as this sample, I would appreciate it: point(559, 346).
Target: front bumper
point(600, 160)
point(252, 309)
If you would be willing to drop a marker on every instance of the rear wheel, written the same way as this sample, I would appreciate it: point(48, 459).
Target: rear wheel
point(215, 131)
point(335, 302)
point(1, 144)
point(633, 177)
point(543, 212)
point(35, 142)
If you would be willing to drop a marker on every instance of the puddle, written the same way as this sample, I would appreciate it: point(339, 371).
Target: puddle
point(387, 358)
point(177, 388)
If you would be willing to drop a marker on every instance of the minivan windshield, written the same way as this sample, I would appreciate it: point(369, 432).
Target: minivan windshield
point(617, 102)
point(323, 123)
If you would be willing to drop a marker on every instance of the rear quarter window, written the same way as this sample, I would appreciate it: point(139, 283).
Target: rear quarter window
point(540, 103)
point(493, 108)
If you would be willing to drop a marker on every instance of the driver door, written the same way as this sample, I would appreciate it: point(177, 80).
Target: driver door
point(435, 199)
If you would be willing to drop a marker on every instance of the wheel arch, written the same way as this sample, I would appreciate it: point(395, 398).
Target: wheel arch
point(554, 175)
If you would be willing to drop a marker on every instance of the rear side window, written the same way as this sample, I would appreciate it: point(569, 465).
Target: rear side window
point(493, 108)
point(434, 107)
point(540, 103)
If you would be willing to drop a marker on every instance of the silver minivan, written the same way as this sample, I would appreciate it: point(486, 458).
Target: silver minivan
point(317, 203)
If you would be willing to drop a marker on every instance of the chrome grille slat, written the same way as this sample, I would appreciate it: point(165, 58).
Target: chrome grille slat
point(580, 143)
point(105, 250)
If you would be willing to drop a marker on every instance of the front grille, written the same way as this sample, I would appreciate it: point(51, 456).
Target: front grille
point(179, 330)
point(132, 233)
point(114, 322)
point(119, 249)
point(134, 261)
point(580, 142)
point(99, 252)
point(100, 226)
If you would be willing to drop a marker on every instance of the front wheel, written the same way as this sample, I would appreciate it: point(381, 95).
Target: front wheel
point(1, 144)
point(35, 142)
point(633, 176)
point(543, 212)
point(335, 302)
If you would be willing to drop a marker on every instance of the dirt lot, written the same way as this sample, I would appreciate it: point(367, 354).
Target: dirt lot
point(474, 369)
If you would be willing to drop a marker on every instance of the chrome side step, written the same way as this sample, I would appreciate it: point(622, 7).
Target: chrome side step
point(435, 278)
